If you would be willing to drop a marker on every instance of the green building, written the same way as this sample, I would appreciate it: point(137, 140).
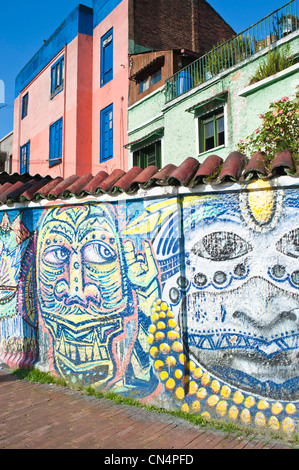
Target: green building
point(208, 106)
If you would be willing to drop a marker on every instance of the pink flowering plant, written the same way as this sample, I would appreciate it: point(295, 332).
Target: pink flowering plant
point(279, 130)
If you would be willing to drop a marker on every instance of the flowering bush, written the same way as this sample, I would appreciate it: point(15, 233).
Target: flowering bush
point(279, 130)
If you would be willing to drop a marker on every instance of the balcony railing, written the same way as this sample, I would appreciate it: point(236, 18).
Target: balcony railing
point(259, 36)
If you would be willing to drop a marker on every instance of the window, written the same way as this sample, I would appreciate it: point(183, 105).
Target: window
point(146, 156)
point(55, 152)
point(106, 148)
point(211, 130)
point(24, 105)
point(24, 158)
point(150, 80)
point(57, 76)
point(155, 77)
point(144, 84)
point(107, 57)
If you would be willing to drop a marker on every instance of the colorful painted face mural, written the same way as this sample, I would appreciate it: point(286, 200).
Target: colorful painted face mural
point(88, 283)
point(243, 299)
point(17, 338)
point(224, 334)
point(188, 301)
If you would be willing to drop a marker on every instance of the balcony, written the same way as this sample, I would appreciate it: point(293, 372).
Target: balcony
point(257, 37)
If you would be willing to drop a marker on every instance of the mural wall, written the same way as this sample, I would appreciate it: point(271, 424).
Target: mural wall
point(188, 302)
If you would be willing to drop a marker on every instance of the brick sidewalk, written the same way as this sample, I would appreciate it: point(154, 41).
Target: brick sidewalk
point(37, 416)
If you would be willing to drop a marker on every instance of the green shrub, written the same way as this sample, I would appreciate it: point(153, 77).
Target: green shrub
point(276, 61)
point(279, 130)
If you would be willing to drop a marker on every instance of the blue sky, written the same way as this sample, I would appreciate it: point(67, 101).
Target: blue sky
point(26, 24)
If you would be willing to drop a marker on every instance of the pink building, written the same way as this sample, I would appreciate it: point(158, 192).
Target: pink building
point(70, 113)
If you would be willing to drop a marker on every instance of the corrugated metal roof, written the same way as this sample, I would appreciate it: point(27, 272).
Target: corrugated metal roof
point(190, 173)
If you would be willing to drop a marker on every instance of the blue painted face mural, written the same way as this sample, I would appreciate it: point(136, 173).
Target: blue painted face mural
point(88, 282)
point(242, 303)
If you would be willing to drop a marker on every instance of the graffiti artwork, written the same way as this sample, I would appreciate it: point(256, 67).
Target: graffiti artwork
point(92, 289)
point(17, 338)
point(189, 302)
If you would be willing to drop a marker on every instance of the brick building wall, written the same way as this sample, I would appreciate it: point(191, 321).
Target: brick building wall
point(191, 24)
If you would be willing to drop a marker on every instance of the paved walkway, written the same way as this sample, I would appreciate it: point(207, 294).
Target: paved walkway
point(37, 416)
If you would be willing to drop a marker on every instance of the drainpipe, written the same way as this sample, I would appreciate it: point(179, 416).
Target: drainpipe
point(19, 136)
point(64, 112)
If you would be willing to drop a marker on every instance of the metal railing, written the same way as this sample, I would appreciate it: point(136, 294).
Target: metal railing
point(257, 37)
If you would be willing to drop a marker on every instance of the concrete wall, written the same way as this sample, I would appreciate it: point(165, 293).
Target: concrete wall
point(243, 106)
point(187, 300)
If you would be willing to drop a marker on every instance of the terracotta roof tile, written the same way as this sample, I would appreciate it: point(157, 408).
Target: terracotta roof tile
point(144, 179)
point(125, 181)
point(282, 163)
point(10, 190)
point(184, 173)
point(232, 167)
point(163, 175)
point(108, 183)
point(92, 185)
point(208, 169)
point(57, 191)
point(77, 185)
point(256, 166)
point(190, 173)
point(43, 192)
point(28, 194)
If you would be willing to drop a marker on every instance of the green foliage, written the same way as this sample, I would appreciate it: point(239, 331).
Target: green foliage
point(36, 375)
point(279, 130)
point(276, 61)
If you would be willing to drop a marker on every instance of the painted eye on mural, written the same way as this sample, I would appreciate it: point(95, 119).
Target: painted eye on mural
point(56, 255)
point(98, 252)
point(221, 246)
point(289, 244)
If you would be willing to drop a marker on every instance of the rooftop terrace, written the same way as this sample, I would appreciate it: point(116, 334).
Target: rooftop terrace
point(244, 45)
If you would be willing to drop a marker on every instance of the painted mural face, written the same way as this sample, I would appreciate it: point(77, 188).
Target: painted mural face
point(85, 297)
point(13, 242)
point(242, 302)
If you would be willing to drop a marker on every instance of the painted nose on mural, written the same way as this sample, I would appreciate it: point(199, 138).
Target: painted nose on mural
point(266, 306)
point(75, 290)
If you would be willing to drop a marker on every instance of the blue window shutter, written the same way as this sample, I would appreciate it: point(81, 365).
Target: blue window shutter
point(60, 139)
point(24, 158)
point(27, 156)
point(107, 57)
point(55, 142)
point(106, 123)
point(52, 134)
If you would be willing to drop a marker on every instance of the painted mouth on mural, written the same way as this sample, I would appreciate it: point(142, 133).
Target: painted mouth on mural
point(96, 372)
point(81, 356)
point(275, 377)
point(87, 348)
point(7, 293)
